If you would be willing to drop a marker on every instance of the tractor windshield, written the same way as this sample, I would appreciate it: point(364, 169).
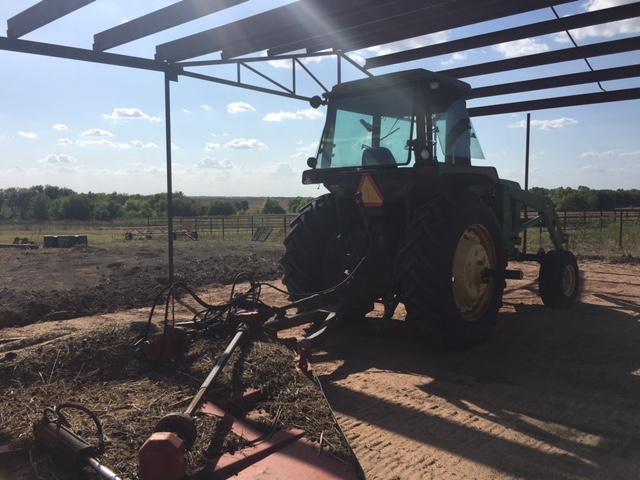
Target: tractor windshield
point(386, 130)
point(369, 130)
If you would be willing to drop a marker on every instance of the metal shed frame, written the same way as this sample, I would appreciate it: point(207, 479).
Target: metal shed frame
point(314, 28)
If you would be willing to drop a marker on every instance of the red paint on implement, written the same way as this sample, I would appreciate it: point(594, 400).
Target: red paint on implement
point(299, 460)
point(229, 465)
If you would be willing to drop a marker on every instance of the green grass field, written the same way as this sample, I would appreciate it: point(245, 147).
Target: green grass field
point(589, 239)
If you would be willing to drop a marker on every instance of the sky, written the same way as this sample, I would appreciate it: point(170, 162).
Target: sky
point(100, 128)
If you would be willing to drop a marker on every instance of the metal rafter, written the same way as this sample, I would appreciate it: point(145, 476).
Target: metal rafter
point(330, 23)
point(546, 58)
point(556, 102)
point(535, 29)
point(458, 14)
point(41, 14)
point(571, 79)
point(306, 14)
point(162, 19)
point(73, 53)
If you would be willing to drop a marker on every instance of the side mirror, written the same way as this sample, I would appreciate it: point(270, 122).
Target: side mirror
point(312, 162)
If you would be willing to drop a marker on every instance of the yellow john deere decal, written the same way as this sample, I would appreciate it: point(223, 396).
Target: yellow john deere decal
point(370, 193)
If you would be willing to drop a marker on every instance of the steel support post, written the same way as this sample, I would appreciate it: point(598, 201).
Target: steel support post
point(526, 179)
point(167, 123)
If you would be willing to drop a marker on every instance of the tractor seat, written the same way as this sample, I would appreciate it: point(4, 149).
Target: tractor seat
point(377, 157)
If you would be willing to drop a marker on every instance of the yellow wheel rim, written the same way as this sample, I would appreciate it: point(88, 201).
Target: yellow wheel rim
point(474, 253)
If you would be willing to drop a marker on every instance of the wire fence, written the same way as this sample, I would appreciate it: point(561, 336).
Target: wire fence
point(590, 232)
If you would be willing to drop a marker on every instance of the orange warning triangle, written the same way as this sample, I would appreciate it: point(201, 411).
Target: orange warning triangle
point(370, 193)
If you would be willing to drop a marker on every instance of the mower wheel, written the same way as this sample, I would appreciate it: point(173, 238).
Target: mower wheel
point(318, 253)
point(181, 424)
point(559, 279)
point(441, 275)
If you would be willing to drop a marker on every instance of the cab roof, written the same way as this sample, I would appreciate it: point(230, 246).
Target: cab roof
point(419, 77)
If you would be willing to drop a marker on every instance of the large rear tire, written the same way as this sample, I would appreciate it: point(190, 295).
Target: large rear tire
point(441, 277)
point(319, 252)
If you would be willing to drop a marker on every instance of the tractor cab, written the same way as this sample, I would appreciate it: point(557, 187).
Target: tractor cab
point(404, 119)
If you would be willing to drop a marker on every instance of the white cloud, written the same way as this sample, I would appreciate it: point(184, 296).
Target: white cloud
point(245, 144)
point(214, 164)
point(102, 143)
point(64, 142)
point(283, 170)
point(240, 107)
point(205, 107)
point(554, 124)
point(519, 48)
point(308, 114)
point(28, 135)
point(622, 27)
point(188, 112)
point(610, 154)
point(57, 159)
point(212, 146)
point(174, 146)
point(129, 113)
point(410, 43)
point(304, 152)
point(456, 58)
point(216, 135)
point(96, 132)
point(141, 144)
point(60, 127)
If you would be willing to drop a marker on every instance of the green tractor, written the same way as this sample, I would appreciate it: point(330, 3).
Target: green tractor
point(409, 219)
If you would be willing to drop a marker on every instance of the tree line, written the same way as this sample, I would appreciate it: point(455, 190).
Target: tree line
point(41, 203)
point(585, 198)
point(49, 202)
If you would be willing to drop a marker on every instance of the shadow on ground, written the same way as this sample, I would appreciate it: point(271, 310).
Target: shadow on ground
point(553, 394)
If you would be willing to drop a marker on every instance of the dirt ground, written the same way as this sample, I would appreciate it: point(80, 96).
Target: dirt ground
point(54, 284)
point(552, 394)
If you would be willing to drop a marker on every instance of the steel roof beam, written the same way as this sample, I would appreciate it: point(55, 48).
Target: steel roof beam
point(535, 29)
point(394, 18)
point(41, 14)
point(546, 58)
point(333, 21)
point(73, 53)
point(556, 102)
point(162, 19)
point(571, 79)
point(459, 14)
point(306, 14)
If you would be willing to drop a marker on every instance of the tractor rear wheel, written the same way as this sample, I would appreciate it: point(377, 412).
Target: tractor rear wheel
point(442, 274)
point(319, 252)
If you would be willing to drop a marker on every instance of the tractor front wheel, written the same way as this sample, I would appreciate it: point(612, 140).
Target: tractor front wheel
point(451, 248)
point(559, 279)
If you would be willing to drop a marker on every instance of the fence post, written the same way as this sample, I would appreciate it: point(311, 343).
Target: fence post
point(252, 226)
point(284, 224)
point(195, 225)
point(565, 220)
point(223, 228)
point(238, 226)
point(620, 233)
point(601, 215)
point(211, 226)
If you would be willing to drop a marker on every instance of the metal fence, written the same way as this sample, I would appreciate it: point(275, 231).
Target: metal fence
point(612, 228)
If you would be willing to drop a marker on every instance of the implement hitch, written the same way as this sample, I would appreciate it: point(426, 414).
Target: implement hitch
point(163, 455)
point(54, 433)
